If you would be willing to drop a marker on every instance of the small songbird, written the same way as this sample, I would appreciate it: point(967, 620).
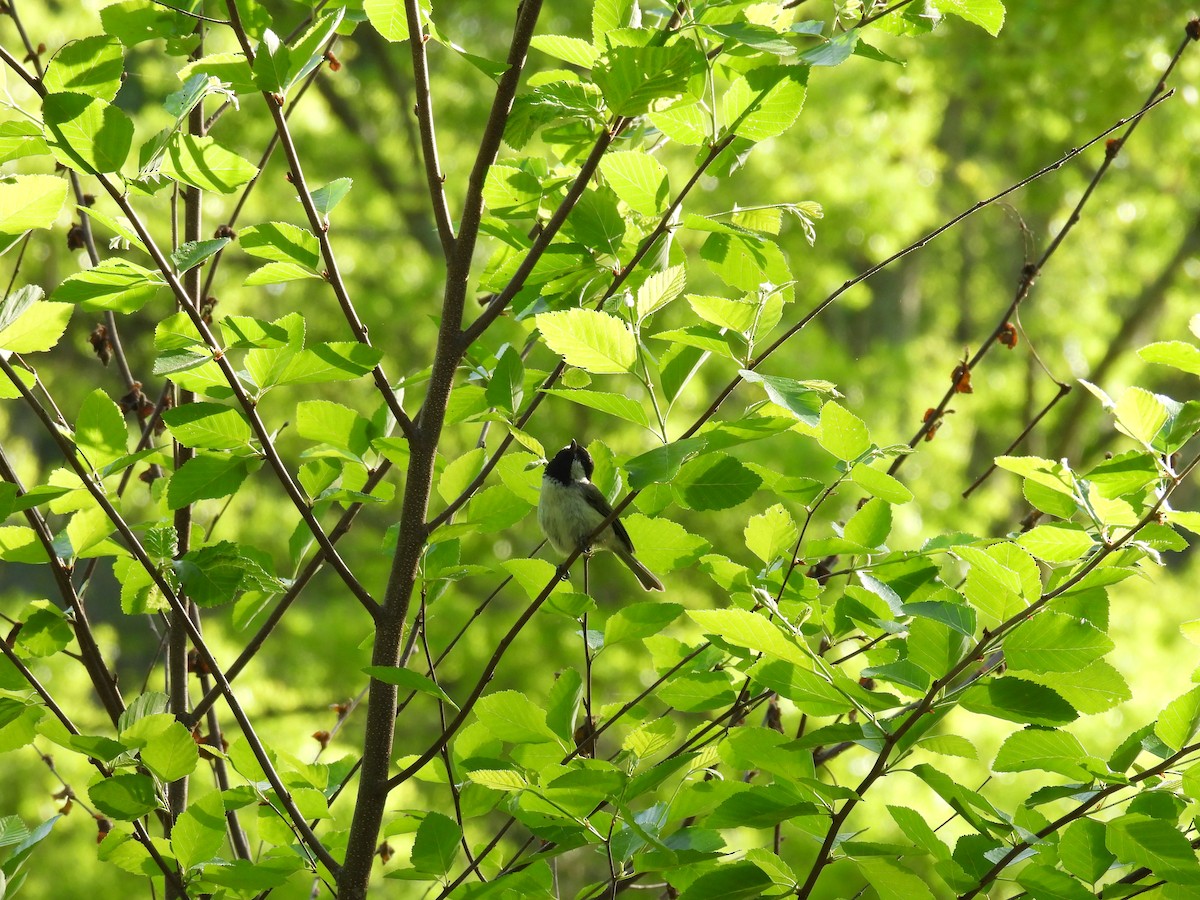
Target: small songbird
point(571, 507)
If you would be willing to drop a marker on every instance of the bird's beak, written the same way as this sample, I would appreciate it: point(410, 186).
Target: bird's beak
point(574, 446)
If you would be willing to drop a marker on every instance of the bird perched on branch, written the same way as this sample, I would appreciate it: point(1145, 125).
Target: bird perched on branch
point(570, 508)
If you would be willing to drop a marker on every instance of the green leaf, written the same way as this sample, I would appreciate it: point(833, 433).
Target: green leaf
point(114, 284)
point(281, 242)
point(134, 21)
point(618, 405)
point(1018, 700)
point(736, 315)
point(590, 340)
point(596, 222)
point(641, 620)
point(660, 289)
point(870, 525)
point(30, 325)
point(575, 51)
point(388, 17)
point(765, 101)
point(322, 363)
point(832, 52)
point(328, 196)
point(309, 51)
point(987, 14)
point(772, 534)
point(714, 481)
point(1044, 749)
point(1082, 850)
point(1140, 414)
point(880, 484)
point(634, 80)
point(514, 718)
point(205, 164)
point(228, 68)
point(460, 472)
point(798, 683)
point(30, 201)
point(199, 833)
point(125, 797)
point(278, 273)
point(842, 433)
point(91, 66)
point(191, 254)
point(506, 387)
point(751, 630)
point(272, 60)
point(436, 845)
point(1177, 724)
point(664, 545)
point(172, 754)
point(331, 423)
point(409, 680)
point(206, 477)
point(1054, 642)
point(214, 574)
point(732, 881)
point(209, 426)
point(20, 138)
point(1155, 843)
point(1177, 354)
point(801, 398)
point(100, 431)
point(638, 179)
point(1057, 542)
point(499, 779)
point(86, 133)
point(893, 881)
point(1095, 689)
point(748, 263)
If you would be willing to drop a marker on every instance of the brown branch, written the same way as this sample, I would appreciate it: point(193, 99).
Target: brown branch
point(91, 483)
point(434, 177)
point(90, 655)
point(373, 784)
point(1031, 271)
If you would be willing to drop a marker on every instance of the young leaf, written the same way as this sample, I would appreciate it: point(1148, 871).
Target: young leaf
point(325, 198)
point(590, 340)
point(618, 405)
point(842, 433)
point(436, 845)
point(91, 66)
point(715, 481)
point(210, 426)
point(203, 163)
point(30, 201)
point(638, 179)
point(987, 14)
point(191, 254)
point(86, 133)
point(115, 284)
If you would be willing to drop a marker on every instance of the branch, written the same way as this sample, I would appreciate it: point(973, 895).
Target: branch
point(423, 107)
point(91, 483)
point(1029, 274)
point(320, 229)
point(979, 650)
point(89, 650)
point(139, 830)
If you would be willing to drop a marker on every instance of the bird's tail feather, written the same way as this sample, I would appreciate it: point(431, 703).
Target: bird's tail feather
point(647, 578)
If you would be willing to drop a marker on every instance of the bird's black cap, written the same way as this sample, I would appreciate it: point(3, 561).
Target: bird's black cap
point(559, 468)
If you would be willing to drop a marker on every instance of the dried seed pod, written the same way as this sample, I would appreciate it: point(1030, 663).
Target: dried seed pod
point(1008, 335)
point(101, 344)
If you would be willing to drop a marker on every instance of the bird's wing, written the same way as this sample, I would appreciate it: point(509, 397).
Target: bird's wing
point(597, 501)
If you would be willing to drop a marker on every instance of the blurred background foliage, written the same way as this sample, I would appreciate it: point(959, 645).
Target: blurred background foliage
point(888, 151)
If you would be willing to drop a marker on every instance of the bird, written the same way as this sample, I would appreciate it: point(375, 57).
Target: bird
point(570, 508)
